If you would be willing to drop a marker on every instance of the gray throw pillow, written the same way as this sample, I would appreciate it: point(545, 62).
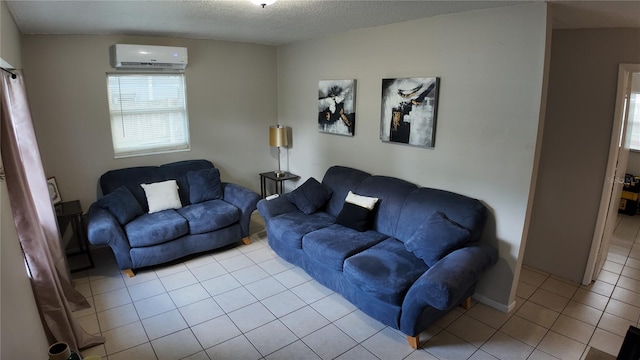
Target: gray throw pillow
point(310, 196)
point(436, 237)
point(121, 204)
point(204, 185)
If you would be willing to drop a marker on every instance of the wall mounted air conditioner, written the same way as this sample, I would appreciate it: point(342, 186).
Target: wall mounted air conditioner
point(150, 57)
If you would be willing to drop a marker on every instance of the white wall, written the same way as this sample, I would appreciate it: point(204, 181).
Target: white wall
point(21, 332)
point(231, 96)
point(9, 37)
point(575, 146)
point(491, 65)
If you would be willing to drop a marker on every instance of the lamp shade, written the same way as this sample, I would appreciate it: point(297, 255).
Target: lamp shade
point(278, 136)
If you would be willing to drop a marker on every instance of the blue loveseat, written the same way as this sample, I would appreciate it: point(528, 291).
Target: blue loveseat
point(417, 258)
point(209, 213)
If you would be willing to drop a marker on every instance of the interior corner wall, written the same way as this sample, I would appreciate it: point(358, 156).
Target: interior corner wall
point(491, 65)
point(21, 332)
point(575, 146)
point(9, 37)
point(231, 101)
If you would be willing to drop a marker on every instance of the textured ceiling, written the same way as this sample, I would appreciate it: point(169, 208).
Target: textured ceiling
point(284, 22)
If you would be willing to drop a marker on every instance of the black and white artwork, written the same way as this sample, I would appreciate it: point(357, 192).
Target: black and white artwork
point(409, 110)
point(336, 106)
point(54, 193)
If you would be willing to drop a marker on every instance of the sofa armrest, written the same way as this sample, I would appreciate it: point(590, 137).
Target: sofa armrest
point(446, 283)
point(104, 229)
point(274, 207)
point(244, 199)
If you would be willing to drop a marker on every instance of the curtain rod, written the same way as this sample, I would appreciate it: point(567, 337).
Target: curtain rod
point(13, 75)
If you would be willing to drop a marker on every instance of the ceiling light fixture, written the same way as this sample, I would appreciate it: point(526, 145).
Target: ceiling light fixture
point(263, 3)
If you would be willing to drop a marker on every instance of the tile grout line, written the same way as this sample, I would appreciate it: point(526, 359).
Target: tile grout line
point(560, 313)
point(359, 343)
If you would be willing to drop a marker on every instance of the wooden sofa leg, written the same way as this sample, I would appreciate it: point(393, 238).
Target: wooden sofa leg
point(129, 272)
point(414, 341)
point(466, 303)
point(246, 240)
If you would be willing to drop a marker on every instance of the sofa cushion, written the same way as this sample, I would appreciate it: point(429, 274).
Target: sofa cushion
point(156, 228)
point(330, 246)
point(469, 213)
point(436, 237)
point(204, 185)
point(386, 270)
point(393, 193)
point(122, 204)
point(341, 180)
point(310, 196)
point(289, 228)
point(209, 216)
point(131, 178)
point(162, 195)
point(178, 171)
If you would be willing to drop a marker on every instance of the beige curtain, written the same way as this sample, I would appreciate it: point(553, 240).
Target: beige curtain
point(35, 220)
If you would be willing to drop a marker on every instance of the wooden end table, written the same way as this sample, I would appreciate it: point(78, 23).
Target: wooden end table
point(277, 180)
point(70, 212)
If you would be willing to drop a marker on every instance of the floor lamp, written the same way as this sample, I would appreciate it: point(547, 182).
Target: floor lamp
point(278, 138)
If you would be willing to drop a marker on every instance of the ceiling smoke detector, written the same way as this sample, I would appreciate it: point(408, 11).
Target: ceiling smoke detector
point(263, 3)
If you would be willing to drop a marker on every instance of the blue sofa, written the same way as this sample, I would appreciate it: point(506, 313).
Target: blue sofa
point(418, 257)
point(213, 214)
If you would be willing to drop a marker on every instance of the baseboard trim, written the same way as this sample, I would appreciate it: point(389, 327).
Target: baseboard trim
point(494, 304)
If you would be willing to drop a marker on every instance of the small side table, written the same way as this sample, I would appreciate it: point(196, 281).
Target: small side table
point(278, 181)
point(71, 212)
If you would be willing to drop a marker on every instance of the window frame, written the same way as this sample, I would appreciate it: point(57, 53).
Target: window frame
point(149, 149)
point(634, 123)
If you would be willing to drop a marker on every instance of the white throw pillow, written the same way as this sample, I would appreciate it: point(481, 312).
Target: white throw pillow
point(162, 196)
point(362, 201)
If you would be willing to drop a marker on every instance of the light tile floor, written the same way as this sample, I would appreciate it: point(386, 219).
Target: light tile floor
point(246, 303)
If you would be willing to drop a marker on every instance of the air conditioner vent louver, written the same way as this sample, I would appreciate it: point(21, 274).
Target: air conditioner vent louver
point(126, 56)
point(148, 64)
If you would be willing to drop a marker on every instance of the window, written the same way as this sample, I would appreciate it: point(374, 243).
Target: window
point(634, 120)
point(148, 113)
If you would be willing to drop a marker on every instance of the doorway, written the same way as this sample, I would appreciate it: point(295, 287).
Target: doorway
point(628, 85)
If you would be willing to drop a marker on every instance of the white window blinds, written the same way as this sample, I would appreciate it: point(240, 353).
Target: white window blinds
point(634, 120)
point(148, 113)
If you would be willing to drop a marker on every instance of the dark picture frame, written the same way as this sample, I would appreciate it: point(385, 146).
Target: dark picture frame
point(336, 106)
point(54, 193)
point(409, 110)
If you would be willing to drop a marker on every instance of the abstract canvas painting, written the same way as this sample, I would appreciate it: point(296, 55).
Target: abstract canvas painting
point(336, 106)
point(409, 110)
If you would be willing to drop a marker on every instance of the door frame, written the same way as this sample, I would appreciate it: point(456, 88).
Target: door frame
point(618, 156)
